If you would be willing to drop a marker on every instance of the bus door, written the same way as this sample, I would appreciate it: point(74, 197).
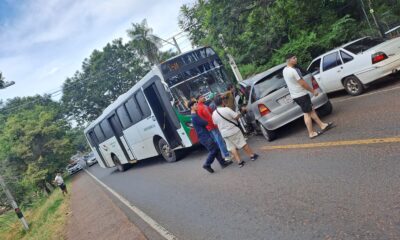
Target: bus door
point(160, 104)
point(95, 144)
point(117, 129)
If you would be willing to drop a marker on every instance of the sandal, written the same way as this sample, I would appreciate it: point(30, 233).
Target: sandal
point(329, 126)
point(318, 133)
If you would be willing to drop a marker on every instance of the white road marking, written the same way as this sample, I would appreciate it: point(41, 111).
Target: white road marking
point(364, 95)
point(156, 226)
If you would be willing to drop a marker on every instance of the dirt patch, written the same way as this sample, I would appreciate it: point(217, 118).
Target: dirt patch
point(94, 215)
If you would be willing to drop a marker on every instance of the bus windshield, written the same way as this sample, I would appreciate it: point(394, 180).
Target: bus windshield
point(212, 81)
point(190, 79)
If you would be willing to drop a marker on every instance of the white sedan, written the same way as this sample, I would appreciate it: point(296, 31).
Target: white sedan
point(356, 64)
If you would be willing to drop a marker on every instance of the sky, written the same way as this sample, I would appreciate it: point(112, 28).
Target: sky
point(42, 42)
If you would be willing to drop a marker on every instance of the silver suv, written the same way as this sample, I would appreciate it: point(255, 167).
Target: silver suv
point(269, 104)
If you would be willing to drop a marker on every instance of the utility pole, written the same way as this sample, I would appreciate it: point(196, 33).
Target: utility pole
point(13, 203)
point(376, 20)
point(232, 62)
point(3, 184)
point(365, 13)
point(176, 45)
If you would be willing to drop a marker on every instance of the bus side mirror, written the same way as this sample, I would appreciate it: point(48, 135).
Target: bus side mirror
point(168, 90)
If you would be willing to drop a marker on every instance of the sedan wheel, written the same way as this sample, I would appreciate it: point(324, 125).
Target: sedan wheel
point(353, 86)
point(268, 134)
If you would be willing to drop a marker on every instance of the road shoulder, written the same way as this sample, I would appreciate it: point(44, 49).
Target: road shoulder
point(95, 216)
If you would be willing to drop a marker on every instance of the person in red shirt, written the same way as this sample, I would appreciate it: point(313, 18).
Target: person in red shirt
point(205, 113)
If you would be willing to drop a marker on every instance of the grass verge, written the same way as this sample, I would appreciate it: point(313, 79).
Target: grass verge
point(47, 220)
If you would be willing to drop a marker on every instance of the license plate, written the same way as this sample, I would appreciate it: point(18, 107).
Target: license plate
point(285, 100)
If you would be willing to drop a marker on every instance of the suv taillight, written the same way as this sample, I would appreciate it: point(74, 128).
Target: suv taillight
point(314, 83)
point(263, 110)
point(379, 56)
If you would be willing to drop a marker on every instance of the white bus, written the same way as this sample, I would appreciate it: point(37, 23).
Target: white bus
point(152, 118)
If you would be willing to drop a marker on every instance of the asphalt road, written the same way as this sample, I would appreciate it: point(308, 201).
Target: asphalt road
point(335, 192)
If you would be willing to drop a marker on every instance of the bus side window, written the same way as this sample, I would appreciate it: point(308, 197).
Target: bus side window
point(144, 107)
point(124, 117)
point(116, 124)
point(99, 134)
point(133, 110)
point(107, 130)
point(93, 139)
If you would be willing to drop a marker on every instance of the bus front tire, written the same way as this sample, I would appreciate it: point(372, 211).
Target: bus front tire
point(121, 167)
point(165, 150)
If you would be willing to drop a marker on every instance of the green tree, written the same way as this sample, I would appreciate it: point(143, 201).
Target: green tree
point(34, 145)
point(1, 80)
point(259, 32)
point(145, 42)
point(104, 76)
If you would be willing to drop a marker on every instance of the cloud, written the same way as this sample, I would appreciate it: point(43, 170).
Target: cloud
point(46, 41)
point(53, 70)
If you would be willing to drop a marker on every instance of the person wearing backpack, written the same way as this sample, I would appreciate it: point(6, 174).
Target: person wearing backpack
point(226, 120)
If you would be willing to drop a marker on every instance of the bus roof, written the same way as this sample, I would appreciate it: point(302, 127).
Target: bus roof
point(180, 55)
point(123, 97)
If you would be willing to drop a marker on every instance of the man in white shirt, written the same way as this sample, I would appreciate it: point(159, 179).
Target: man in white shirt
point(60, 182)
point(226, 120)
point(299, 91)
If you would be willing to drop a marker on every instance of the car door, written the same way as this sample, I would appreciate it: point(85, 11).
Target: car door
point(332, 72)
point(315, 70)
point(349, 66)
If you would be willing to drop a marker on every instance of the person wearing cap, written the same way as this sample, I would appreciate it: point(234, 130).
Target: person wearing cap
point(226, 120)
point(205, 113)
point(205, 139)
point(299, 91)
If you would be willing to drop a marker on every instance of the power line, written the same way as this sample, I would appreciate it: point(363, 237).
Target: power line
point(58, 91)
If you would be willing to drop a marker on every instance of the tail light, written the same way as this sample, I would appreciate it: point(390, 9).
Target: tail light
point(263, 110)
point(379, 56)
point(314, 83)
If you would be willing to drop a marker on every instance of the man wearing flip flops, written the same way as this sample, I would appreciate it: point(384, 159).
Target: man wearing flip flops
point(299, 91)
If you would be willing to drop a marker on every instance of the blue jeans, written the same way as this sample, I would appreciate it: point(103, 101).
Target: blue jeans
point(220, 141)
point(213, 152)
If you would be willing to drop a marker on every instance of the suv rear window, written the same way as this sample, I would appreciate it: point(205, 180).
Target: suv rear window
point(363, 45)
point(269, 84)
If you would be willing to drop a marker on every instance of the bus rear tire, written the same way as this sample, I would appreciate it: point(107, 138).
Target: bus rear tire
point(121, 167)
point(165, 150)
